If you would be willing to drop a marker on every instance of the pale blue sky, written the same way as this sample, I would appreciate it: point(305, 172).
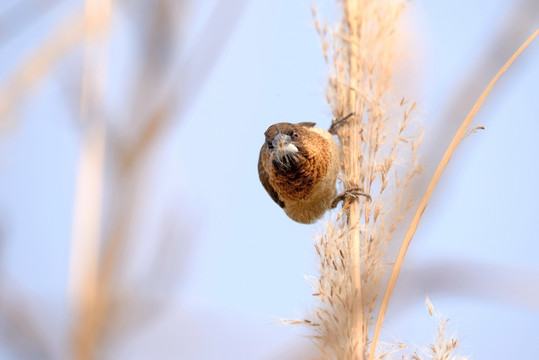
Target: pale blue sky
point(248, 261)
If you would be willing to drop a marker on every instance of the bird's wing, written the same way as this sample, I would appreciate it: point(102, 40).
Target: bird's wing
point(264, 179)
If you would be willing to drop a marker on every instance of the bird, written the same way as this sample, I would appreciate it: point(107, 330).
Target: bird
point(298, 166)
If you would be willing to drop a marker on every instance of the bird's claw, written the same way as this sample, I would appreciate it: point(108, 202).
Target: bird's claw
point(349, 194)
point(337, 123)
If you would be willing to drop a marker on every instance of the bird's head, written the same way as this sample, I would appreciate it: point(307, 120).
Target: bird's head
point(284, 144)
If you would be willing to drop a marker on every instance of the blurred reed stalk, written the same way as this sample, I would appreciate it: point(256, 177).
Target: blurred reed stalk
point(162, 90)
point(378, 147)
point(115, 151)
point(101, 252)
point(85, 288)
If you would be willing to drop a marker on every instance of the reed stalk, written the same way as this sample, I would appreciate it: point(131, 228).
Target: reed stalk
point(378, 147)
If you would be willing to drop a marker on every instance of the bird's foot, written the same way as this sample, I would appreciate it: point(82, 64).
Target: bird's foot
point(337, 123)
point(348, 195)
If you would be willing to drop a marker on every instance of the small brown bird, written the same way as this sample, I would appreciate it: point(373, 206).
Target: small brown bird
point(298, 167)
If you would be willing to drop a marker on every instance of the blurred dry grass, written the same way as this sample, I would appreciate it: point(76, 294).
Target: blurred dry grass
point(115, 151)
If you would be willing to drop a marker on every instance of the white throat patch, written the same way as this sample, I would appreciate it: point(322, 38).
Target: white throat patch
point(285, 150)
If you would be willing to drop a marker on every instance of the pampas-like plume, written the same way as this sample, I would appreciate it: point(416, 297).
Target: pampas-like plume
point(352, 250)
point(375, 143)
point(444, 347)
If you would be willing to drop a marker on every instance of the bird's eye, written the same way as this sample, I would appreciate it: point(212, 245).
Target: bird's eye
point(295, 135)
point(270, 145)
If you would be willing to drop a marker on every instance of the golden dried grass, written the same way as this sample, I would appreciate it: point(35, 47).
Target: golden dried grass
point(359, 52)
point(89, 294)
point(378, 147)
point(99, 246)
point(444, 347)
point(112, 179)
point(432, 184)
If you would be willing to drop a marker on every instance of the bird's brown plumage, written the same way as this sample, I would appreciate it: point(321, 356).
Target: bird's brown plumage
point(302, 181)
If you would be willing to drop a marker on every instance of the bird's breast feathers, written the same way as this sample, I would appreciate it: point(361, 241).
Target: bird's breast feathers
point(308, 171)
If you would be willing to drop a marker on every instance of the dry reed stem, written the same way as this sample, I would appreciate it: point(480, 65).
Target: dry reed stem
point(154, 107)
point(351, 9)
point(88, 294)
point(428, 193)
point(520, 19)
point(87, 228)
point(153, 114)
point(375, 143)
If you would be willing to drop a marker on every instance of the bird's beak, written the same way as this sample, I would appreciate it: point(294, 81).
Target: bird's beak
point(281, 142)
point(283, 148)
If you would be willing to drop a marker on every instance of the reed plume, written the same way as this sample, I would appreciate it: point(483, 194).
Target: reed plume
point(444, 347)
point(378, 145)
